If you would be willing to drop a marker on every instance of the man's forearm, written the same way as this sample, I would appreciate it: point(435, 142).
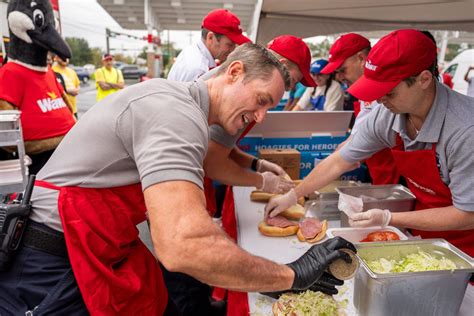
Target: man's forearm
point(224, 264)
point(119, 85)
point(241, 158)
point(219, 166)
point(187, 240)
point(325, 172)
point(434, 219)
point(104, 85)
point(230, 173)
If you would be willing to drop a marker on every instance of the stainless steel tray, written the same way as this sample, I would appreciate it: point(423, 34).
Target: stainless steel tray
point(412, 293)
point(394, 197)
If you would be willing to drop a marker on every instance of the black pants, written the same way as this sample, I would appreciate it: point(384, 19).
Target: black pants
point(190, 296)
point(41, 283)
point(45, 285)
point(39, 160)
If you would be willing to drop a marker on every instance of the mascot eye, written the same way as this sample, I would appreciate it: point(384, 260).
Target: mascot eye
point(38, 17)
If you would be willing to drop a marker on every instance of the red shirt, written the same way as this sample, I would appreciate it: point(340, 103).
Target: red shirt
point(37, 94)
point(448, 80)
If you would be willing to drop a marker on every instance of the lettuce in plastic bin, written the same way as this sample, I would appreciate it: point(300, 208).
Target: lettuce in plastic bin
point(307, 303)
point(416, 262)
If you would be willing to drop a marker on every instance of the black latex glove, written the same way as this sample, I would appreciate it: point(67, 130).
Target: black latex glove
point(326, 284)
point(311, 266)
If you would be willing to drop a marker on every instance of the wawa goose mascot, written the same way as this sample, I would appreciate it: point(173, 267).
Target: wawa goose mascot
point(29, 85)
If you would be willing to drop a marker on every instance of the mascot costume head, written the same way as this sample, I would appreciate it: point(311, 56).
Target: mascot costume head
point(27, 84)
point(33, 33)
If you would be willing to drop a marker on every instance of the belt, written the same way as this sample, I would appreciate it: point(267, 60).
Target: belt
point(43, 238)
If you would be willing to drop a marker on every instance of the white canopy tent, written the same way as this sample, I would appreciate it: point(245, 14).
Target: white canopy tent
point(173, 14)
point(307, 18)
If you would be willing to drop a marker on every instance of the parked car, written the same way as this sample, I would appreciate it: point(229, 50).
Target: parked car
point(457, 69)
point(82, 74)
point(132, 71)
point(89, 68)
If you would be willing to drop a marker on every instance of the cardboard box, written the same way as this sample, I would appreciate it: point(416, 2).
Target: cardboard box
point(288, 159)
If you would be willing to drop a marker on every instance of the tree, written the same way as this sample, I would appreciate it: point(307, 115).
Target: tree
point(320, 50)
point(96, 56)
point(455, 49)
point(81, 52)
point(122, 58)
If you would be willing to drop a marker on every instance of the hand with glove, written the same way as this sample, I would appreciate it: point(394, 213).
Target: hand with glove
point(265, 165)
point(278, 204)
point(272, 183)
point(373, 217)
point(311, 268)
point(326, 284)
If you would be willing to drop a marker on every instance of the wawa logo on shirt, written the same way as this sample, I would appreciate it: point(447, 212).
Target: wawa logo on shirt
point(52, 103)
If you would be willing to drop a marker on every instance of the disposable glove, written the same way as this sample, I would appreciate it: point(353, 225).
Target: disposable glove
point(326, 284)
point(373, 217)
point(272, 183)
point(265, 165)
point(311, 266)
point(278, 204)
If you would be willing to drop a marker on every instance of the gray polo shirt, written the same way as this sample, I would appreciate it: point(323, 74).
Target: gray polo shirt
point(151, 132)
point(449, 125)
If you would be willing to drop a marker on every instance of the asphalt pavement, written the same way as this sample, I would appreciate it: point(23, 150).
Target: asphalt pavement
point(87, 94)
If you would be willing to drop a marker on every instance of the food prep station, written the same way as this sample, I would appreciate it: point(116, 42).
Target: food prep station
point(287, 249)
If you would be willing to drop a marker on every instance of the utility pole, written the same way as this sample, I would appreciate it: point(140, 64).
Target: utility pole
point(107, 36)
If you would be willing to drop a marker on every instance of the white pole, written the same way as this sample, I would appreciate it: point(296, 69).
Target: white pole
point(444, 46)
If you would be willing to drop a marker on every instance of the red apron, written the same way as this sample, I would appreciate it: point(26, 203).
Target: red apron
point(421, 172)
point(114, 270)
point(237, 302)
point(382, 168)
point(210, 194)
point(381, 165)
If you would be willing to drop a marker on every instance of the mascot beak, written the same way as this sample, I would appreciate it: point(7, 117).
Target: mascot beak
point(49, 39)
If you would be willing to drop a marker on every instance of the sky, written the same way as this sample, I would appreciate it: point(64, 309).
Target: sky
point(87, 19)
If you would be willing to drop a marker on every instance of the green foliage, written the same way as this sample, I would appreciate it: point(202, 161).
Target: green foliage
point(96, 57)
point(81, 52)
point(122, 58)
point(455, 49)
point(320, 50)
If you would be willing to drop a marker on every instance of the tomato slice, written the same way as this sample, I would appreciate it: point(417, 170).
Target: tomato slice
point(392, 236)
point(381, 236)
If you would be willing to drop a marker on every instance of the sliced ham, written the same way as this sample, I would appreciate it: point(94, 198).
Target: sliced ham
point(310, 227)
point(279, 221)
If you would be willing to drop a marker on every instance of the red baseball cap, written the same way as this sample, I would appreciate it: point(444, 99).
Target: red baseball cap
point(346, 46)
point(107, 57)
point(293, 48)
point(224, 22)
point(397, 56)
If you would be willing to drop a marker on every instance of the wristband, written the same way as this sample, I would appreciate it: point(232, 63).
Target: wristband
point(253, 166)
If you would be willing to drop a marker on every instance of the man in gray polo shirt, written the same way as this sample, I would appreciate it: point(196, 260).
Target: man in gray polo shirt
point(430, 129)
point(130, 156)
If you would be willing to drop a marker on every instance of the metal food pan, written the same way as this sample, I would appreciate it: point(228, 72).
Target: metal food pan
point(329, 192)
point(356, 234)
point(412, 293)
point(394, 197)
